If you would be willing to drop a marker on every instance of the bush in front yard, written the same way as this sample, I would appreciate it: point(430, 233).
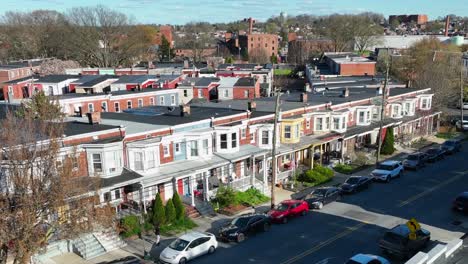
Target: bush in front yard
point(170, 212)
point(131, 226)
point(388, 146)
point(317, 175)
point(251, 197)
point(343, 168)
point(225, 196)
point(179, 207)
point(159, 212)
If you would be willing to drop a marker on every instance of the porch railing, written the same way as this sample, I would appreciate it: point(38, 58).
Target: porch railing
point(241, 183)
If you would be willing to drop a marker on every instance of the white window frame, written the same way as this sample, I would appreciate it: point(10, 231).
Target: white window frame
point(409, 108)
point(173, 99)
point(91, 107)
point(287, 134)
point(206, 146)
point(262, 133)
point(161, 100)
point(96, 161)
point(221, 141)
point(342, 122)
point(117, 107)
point(139, 162)
point(226, 93)
point(246, 93)
point(177, 147)
point(428, 102)
point(193, 142)
point(140, 102)
point(151, 160)
point(166, 151)
point(104, 106)
point(243, 132)
point(297, 131)
point(367, 116)
point(129, 104)
point(252, 136)
point(151, 100)
point(200, 93)
point(396, 110)
point(377, 110)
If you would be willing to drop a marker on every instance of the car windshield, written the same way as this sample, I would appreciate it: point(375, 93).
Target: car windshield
point(412, 157)
point(319, 192)
point(385, 167)
point(240, 222)
point(282, 207)
point(178, 244)
point(352, 180)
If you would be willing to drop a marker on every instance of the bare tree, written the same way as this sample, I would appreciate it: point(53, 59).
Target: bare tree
point(258, 55)
point(42, 196)
point(56, 66)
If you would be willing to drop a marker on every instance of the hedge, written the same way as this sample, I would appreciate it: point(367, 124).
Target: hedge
point(179, 207)
point(131, 226)
point(159, 212)
point(317, 175)
point(170, 211)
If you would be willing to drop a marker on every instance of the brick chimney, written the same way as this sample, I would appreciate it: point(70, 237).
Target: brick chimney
point(447, 23)
point(251, 22)
point(94, 118)
point(304, 97)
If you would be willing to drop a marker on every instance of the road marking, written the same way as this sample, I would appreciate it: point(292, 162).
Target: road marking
point(426, 192)
point(324, 243)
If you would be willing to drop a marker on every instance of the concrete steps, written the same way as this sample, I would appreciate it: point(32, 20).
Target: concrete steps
point(109, 240)
point(191, 211)
point(88, 247)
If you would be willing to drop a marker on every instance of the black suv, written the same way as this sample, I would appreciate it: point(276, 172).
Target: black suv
point(396, 241)
point(240, 227)
point(434, 154)
point(321, 196)
point(451, 146)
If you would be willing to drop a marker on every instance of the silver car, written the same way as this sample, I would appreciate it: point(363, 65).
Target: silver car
point(188, 247)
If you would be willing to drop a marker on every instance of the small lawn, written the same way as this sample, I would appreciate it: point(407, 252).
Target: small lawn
point(226, 196)
point(282, 71)
point(178, 226)
point(345, 168)
point(447, 135)
point(318, 175)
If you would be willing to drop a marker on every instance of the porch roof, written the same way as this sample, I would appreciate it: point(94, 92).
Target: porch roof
point(182, 168)
point(125, 178)
point(244, 152)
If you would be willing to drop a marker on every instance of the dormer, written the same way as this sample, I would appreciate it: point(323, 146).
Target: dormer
point(425, 101)
point(227, 139)
point(339, 121)
point(363, 115)
point(146, 155)
point(104, 159)
point(291, 130)
point(409, 107)
point(396, 110)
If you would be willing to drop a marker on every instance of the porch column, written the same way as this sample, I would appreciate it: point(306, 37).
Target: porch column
point(311, 157)
point(438, 122)
point(192, 194)
point(265, 174)
point(341, 141)
point(206, 188)
point(142, 199)
point(252, 177)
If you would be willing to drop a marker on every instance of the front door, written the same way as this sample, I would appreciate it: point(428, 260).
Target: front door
point(242, 169)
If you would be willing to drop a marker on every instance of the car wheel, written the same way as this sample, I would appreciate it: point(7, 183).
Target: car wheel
point(320, 205)
point(285, 220)
point(303, 213)
point(387, 180)
point(266, 227)
point(182, 261)
point(211, 250)
point(240, 238)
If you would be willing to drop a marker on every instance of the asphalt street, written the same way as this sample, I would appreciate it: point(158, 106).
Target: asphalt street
point(355, 224)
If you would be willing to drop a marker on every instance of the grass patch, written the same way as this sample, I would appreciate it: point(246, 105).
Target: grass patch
point(447, 135)
point(177, 226)
point(282, 71)
point(317, 176)
point(344, 168)
point(226, 196)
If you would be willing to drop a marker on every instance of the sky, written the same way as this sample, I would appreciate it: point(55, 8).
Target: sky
point(183, 11)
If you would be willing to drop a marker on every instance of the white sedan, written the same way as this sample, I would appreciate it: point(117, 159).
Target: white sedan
point(188, 247)
point(465, 125)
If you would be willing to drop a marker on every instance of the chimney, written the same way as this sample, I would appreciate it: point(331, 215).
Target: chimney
point(252, 105)
point(304, 97)
point(345, 92)
point(94, 117)
point(447, 23)
point(184, 110)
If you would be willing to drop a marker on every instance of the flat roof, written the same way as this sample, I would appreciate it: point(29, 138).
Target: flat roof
point(56, 78)
point(134, 78)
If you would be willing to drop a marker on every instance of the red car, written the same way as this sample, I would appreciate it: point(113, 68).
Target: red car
point(287, 209)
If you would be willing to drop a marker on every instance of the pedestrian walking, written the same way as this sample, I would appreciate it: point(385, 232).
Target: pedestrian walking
point(157, 233)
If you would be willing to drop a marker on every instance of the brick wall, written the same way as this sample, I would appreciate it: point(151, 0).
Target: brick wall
point(168, 159)
point(357, 69)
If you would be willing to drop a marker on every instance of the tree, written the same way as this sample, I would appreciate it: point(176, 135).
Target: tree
point(229, 59)
point(388, 144)
point(56, 66)
point(366, 33)
point(42, 197)
point(165, 51)
point(179, 206)
point(170, 212)
point(41, 107)
point(258, 55)
point(159, 212)
point(274, 59)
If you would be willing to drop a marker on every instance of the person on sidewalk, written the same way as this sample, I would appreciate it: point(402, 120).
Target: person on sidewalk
point(157, 233)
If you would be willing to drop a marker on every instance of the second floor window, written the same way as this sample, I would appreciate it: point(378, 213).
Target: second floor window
point(206, 149)
point(425, 103)
point(185, 93)
point(129, 104)
point(91, 108)
point(287, 132)
point(161, 100)
point(151, 160)
point(336, 123)
point(117, 107)
point(177, 147)
point(97, 162)
point(166, 151)
point(223, 141)
point(140, 102)
point(265, 138)
point(194, 148)
point(173, 100)
point(297, 131)
point(243, 132)
point(319, 123)
point(307, 123)
point(234, 140)
point(151, 100)
point(246, 94)
point(138, 161)
point(226, 93)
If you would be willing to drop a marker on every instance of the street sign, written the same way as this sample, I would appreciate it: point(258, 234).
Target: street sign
point(413, 225)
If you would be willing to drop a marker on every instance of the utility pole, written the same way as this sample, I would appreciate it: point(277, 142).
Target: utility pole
point(382, 108)
point(273, 150)
point(461, 91)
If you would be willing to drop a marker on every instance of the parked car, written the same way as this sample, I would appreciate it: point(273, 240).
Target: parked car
point(287, 209)
point(245, 225)
point(367, 259)
point(465, 105)
point(451, 146)
point(461, 202)
point(188, 247)
point(458, 124)
point(321, 196)
point(415, 160)
point(387, 170)
point(434, 154)
point(396, 241)
point(355, 183)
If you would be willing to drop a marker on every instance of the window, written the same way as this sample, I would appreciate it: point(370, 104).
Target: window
point(243, 132)
point(205, 147)
point(287, 132)
point(151, 161)
point(161, 100)
point(138, 161)
point(265, 137)
point(104, 106)
point(363, 117)
point(107, 197)
point(409, 108)
point(177, 147)
point(252, 137)
point(223, 138)
point(173, 101)
point(91, 108)
point(425, 103)
point(97, 162)
point(396, 111)
point(226, 93)
point(246, 94)
point(297, 130)
point(318, 124)
point(200, 93)
point(117, 107)
point(185, 93)
point(336, 123)
point(140, 102)
point(327, 123)
point(151, 100)
point(194, 148)
point(343, 123)
point(129, 104)
point(166, 151)
point(307, 123)
point(266, 45)
point(234, 140)
point(375, 113)
point(117, 194)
